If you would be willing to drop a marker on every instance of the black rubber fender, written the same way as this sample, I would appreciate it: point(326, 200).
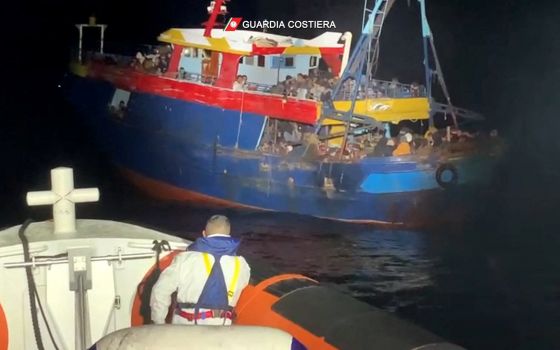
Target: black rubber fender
point(439, 175)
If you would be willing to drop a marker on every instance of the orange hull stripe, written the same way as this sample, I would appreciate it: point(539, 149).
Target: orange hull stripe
point(162, 190)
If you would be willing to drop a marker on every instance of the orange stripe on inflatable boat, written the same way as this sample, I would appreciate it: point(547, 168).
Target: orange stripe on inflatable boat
point(136, 318)
point(255, 308)
point(279, 278)
point(3, 330)
point(244, 300)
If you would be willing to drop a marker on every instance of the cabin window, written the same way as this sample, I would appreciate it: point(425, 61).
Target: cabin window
point(277, 62)
point(249, 60)
point(120, 97)
point(289, 62)
point(282, 62)
point(206, 53)
point(119, 104)
point(313, 61)
point(260, 62)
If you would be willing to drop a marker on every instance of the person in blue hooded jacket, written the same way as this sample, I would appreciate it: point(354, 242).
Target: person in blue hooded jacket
point(208, 278)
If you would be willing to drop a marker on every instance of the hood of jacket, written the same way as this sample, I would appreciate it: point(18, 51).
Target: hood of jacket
point(215, 245)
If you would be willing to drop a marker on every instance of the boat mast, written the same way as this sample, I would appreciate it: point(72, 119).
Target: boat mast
point(91, 24)
point(354, 72)
point(216, 8)
point(428, 39)
point(373, 48)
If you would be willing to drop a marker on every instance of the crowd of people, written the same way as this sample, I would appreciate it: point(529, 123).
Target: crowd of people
point(320, 86)
point(292, 139)
point(314, 87)
point(317, 85)
point(155, 62)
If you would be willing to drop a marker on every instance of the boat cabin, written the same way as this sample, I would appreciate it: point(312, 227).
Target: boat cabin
point(263, 70)
point(266, 59)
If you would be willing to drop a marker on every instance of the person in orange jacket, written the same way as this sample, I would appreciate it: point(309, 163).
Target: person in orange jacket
point(403, 149)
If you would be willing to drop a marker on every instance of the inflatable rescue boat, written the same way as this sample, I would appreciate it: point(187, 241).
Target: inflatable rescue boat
point(84, 284)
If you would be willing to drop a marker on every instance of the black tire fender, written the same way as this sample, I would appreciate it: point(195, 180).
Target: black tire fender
point(439, 175)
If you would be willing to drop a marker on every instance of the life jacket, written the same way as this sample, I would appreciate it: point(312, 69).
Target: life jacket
point(402, 149)
point(214, 294)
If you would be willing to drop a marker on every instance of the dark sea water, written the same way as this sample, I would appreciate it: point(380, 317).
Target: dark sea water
point(491, 282)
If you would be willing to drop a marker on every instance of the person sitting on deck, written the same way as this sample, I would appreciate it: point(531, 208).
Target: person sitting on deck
point(294, 135)
point(403, 148)
point(121, 110)
point(208, 278)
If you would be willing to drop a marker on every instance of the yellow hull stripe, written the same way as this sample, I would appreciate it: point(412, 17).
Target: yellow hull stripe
point(387, 109)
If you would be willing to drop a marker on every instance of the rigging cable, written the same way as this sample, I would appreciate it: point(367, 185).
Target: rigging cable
point(33, 294)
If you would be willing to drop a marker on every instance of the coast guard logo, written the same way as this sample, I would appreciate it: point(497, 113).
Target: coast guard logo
point(233, 23)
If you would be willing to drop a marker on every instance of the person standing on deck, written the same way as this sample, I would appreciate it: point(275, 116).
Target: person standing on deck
point(239, 83)
point(208, 278)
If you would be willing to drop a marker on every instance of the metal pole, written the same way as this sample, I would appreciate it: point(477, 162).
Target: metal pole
point(56, 261)
point(364, 13)
point(102, 37)
point(80, 43)
point(240, 118)
point(275, 135)
point(81, 314)
point(426, 34)
point(441, 81)
point(427, 74)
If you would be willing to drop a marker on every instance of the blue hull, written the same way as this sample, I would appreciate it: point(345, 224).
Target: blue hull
point(204, 150)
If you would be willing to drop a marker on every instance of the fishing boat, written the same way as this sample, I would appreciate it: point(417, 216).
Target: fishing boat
point(85, 284)
point(182, 123)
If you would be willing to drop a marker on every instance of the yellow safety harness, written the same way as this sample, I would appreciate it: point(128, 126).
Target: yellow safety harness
point(233, 282)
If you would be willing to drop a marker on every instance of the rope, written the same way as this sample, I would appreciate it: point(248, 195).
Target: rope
point(240, 118)
point(144, 289)
point(33, 294)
